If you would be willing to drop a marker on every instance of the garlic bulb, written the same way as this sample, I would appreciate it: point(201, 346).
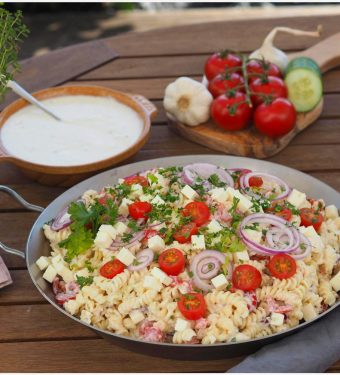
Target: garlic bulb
point(188, 101)
point(274, 55)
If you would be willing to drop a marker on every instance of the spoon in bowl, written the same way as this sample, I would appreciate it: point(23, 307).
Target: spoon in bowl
point(26, 95)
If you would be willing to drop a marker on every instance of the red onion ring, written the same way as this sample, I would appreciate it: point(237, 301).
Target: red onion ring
point(144, 258)
point(136, 237)
point(62, 220)
point(244, 184)
point(297, 254)
point(242, 170)
point(202, 260)
point(204, 171)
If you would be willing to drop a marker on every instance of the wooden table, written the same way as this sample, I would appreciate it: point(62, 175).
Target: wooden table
point(33, 335)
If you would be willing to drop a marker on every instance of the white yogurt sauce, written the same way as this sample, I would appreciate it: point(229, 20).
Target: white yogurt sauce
point(93, 128)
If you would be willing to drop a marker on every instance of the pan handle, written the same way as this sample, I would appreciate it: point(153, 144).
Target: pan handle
point(23, 202)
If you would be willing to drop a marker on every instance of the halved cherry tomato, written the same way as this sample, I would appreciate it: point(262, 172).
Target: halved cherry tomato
point(246, 277)
point(311, 217)
point(172, 261)
point(198, 211)
point(282, 266)
point(184, 233)
point(136, 180)
point(256, 68)
point(112, 268)
point(280, 211)
point(222, 83)
point(192, 306)
point(255, 181)
point(140, 210)
point(219, 62)
point(103, 200)
point(271, 86)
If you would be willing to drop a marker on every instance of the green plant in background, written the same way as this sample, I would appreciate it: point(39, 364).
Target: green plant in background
point(12, 32)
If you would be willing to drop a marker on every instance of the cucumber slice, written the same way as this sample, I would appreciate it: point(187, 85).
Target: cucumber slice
point(304, 83)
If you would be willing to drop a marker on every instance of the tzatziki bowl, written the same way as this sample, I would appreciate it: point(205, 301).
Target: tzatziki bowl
point(99, 128)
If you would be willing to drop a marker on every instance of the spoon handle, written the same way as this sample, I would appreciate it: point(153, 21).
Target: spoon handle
point(26, 95)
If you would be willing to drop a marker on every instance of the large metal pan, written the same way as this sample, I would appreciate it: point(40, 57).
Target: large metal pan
point(37, 245)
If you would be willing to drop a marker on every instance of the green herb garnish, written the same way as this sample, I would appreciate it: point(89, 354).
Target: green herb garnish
point(83, 281)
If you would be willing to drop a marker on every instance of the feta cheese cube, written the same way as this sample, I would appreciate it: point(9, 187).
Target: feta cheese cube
point(244, 203)
point(66, 274)
point(331, 212)
point(156, 243)
point(103, 240)
point(189, 192)
point(124, 207)
point(296, 198)
point(42, 263)
point(253, 235)
point(151, 282)
point(241, 337)
point(276, 319)
point(109, 229)
point(161, 276)
point(314, 238)
point(157, 200)
point(241, 256)
point(181, 325)
point(145, 198)
point(136, 316)
point(120, 227)
point(72, 306)
point(86, 316)
point(309, 312)
point(58, 259)
point(335, 282)
point(198, 242)
point(220, 281)
point(214, 226)
point(136, 190)
point(50, 274)
point(125, 256)
point(219, 194)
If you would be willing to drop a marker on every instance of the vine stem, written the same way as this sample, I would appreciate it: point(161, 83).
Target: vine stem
point(245, 76)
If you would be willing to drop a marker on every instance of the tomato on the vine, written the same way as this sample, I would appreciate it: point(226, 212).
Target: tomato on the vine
point(219, 62)
point(310, 217)
point(231, 112)
point(257, 68)
point(223, 83)
point(275, 119)
point(271, 87)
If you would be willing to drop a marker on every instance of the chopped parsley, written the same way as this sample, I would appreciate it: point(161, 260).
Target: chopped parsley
point(132, 224)
point(89, 266)
point(215, 180)
point(83, 281)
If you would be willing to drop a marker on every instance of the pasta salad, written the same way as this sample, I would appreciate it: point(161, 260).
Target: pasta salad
point(197, 254)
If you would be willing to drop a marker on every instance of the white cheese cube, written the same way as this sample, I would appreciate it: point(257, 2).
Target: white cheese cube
point(58, 259)
point(309, 312)
point(136, 190)
point(244, 203)
point(253, 235)
point(136, 316)
point(220, 281)
point(181, 325)
point(120, 228)
point(219, 195)
point(276, 319)
point(198, 242)
point(335, 282)
point(124, 207)
point(82, 273)
point(241, 256)
point(189, 192)
point(331, 212)
point(161, 276)
point(156, 243)
point(296, 198)
point(145, 198)
point(125, 256)
point(72, 306)
point(314, 238)
point(214, 226)
point(157, 200)
point(86, 316)
point(42, 263)
point(103, 240)
point(66, 274)
point(241, 337)
point(50, 274)
point(109, 229)
point(151, 282)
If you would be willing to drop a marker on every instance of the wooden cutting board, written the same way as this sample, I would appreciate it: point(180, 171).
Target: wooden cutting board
point(250, 142)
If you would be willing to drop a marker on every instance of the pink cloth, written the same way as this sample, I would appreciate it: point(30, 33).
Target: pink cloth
point(5, 277)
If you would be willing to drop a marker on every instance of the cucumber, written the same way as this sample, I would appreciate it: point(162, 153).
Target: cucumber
point(304, 83)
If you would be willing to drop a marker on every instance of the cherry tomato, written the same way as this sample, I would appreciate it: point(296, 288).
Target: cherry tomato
point(231, 112)
point(285, 213)
point(275, 119)
point(239, 175)
point(112, 268)
point(222, 83)
point(172, 261)
point(103, 200)
point(282, 266)
point(192, 306)
point(184, 234)
point(272, 87)
point(136, 180)
point(219, 62)
point(246, 277)
point(256, 68)
point(198, 211)
point(255, 181)
point(148, 233)
point(140, 210)
point(311, 217)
